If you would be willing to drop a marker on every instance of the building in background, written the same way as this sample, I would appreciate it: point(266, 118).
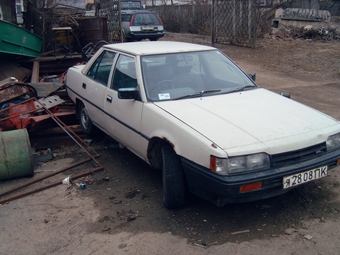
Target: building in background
point(19, 7)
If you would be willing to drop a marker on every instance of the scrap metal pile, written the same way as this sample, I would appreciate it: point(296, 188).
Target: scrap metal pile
point(24, 105)
point(24, 108)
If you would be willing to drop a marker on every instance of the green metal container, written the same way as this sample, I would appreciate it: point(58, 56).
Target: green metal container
point(19, 41)
point(16, 158)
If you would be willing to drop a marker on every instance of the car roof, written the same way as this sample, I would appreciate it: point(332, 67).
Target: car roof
point(137, 11)
point(158, 47)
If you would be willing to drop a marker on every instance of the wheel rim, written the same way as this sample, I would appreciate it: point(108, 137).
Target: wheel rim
point(84, 118)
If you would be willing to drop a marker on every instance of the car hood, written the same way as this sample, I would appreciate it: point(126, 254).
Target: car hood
point(253, 121)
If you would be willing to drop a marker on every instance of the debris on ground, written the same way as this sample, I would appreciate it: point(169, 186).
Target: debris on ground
point(308, 237)
point(307, 33)
point(309, 24)
point(42, 155)
point(132, 193)
point(240, 232)
point(10, 69)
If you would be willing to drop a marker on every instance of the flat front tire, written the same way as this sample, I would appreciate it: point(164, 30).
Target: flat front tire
point(173, 179)
point(85, 121)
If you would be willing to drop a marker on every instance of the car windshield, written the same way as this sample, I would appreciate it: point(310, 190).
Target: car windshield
point(192, 74)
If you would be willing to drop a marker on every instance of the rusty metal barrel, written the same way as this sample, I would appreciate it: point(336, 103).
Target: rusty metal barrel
point(94, 29)
point(16, 159)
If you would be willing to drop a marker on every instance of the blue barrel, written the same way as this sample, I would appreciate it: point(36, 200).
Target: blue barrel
point(16, 159)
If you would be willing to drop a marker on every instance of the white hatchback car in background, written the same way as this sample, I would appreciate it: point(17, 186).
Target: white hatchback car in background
point(188, 110)
point(141, 24)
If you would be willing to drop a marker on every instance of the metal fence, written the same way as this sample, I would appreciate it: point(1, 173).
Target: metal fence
point(229, 21)
point(110, 9)
point(234, 22)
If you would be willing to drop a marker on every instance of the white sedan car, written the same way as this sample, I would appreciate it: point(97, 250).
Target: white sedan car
point(189, 111)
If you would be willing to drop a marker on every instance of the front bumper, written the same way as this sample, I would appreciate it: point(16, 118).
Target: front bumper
point(222, 190)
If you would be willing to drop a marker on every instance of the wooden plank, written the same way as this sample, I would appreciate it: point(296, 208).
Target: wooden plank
point(44, 58)
point(35, 71)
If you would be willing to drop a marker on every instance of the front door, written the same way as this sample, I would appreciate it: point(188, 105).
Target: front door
point(124, 115)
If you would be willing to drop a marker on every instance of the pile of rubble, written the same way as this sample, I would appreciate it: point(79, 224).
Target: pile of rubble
point(306, 24)
point(308, 33)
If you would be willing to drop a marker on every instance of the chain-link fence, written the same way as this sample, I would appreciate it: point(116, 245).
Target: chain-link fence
point(227, 21)
point(234, 22)
point(110, 9)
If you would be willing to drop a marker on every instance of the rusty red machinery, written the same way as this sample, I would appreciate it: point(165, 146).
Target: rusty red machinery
point(21, 108)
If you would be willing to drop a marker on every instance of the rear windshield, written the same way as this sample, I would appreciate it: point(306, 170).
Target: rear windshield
point(146, 19)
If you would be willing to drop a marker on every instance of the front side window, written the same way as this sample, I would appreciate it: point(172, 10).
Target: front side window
point(124, 75)
point(101, 68)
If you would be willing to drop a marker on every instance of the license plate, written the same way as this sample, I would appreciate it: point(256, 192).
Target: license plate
point(148, 28)
point(307, 176)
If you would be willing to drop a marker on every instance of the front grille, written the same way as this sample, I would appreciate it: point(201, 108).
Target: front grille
point(297, 156)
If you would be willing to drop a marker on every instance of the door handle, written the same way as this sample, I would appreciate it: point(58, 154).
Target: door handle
point(109, 99)
point(84, 86)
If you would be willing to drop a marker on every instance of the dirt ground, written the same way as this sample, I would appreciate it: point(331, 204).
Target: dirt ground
point(120, 211)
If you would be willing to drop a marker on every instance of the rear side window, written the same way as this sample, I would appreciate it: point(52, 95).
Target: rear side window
point(126, 17)
point(100, 70)
point(146, 19)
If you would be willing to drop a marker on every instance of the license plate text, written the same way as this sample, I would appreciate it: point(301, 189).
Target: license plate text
point(307, 176)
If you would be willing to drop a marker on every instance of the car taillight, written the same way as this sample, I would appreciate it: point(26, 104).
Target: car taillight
point(160, 21)
point(132, 19)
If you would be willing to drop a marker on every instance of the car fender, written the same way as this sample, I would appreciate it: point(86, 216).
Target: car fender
point(186, 141)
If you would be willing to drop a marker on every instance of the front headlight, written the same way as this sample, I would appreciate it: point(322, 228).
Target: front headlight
point(333, 142)
point(225, 166)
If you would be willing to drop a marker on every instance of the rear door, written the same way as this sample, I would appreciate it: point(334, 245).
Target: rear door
point(95, 85)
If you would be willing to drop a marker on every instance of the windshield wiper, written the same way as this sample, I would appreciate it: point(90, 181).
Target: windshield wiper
point(240, 89)
point(198, 94)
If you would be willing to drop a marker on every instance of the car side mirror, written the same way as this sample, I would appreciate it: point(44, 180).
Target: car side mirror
point(128, 93)
point(285, 94)
point(252, 76)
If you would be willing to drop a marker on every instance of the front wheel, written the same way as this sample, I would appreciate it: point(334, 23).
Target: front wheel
point(85, 121)
point(173, 179)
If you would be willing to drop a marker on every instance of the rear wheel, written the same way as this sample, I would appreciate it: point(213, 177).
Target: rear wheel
point(173, 179)
point(85, 121)
point(126, 39)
